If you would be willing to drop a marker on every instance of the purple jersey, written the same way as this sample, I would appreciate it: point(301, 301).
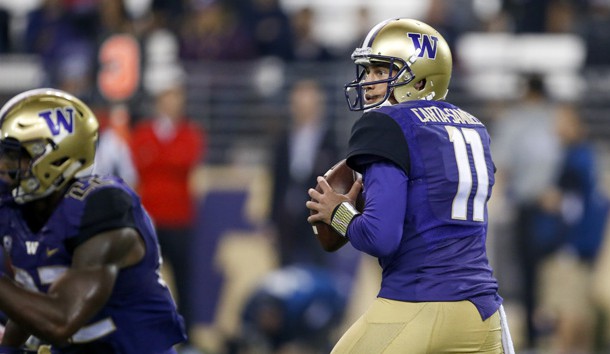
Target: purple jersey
point(428, 174)
point(140, 315)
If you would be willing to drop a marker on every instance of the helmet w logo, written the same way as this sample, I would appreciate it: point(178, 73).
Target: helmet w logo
point(59, 118)
point(426, 44)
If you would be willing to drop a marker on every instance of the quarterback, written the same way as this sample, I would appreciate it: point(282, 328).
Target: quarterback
point(427, 174)
point(83, 258)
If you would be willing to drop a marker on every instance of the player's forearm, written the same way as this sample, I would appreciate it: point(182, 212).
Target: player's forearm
point(67, 306)
point(34, 312)
point(378, 231)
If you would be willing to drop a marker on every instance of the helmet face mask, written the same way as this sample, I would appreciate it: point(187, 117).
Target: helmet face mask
point(398, 74)
point(55, 131)
point(415, 53)
point(14, 164)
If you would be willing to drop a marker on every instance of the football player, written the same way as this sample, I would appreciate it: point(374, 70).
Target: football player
point(427, 176)
point(82, 251)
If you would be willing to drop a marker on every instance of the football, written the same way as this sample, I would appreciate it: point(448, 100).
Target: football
point(341, 178)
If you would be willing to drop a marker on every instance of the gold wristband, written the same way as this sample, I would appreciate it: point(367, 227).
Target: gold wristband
point(342, 216)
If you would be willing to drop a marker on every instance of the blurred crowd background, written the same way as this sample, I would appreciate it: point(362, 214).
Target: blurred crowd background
point(222, 112)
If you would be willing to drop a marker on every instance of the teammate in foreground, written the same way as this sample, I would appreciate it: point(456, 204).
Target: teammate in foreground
point(83, 254)
point(427, 175)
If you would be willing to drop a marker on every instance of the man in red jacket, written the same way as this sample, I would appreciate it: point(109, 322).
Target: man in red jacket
point(166, 148)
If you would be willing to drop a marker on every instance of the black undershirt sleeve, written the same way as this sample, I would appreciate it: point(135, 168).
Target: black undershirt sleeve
point(105, 209)
point(375, 137)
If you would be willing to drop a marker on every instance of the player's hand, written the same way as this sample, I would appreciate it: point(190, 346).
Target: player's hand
point(327, 200)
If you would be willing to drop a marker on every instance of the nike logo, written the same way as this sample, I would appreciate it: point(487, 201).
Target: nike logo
point(51, 252)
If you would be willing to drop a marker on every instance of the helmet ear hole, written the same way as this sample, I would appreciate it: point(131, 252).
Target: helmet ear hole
point(420, 85)
point(60, 161)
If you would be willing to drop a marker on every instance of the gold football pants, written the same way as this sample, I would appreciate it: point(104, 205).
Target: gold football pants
point(398, 327)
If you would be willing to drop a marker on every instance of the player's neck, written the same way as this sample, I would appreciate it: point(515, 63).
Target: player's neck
point(37, 212)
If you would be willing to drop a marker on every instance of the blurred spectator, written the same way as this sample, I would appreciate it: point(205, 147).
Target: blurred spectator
point(562, 16)
point(452, 18)
point(270, 27)
point(83, 14)
point(119, 61)
point(118, 79)
point(113, 156)
point(530, 16)
point(595, 30)
point(66, 51)
point(583, 208)
point(306, 46)
point(169, 13)
point(582, 203)
point(113, 18)
point(213, 31)
point(306, 149)
point(526, 152)
point(161, 58)
point(166, 148)
point(546, 16)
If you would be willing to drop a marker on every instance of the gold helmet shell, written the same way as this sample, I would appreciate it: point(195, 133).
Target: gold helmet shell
point(58, 132)
point(416, 53)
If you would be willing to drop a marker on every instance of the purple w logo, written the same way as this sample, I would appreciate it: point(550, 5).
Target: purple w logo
point(425, 43)
point(63, 118)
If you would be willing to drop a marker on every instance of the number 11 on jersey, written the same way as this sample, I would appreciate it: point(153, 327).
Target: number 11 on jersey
point(462, 138)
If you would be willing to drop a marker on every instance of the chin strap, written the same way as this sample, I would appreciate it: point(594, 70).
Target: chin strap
point(342, 216)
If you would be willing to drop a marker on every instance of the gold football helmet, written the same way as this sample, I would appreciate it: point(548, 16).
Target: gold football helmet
point(419, 60)
point(56, 130)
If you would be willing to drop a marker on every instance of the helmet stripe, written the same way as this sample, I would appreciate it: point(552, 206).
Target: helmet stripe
point(370, 37)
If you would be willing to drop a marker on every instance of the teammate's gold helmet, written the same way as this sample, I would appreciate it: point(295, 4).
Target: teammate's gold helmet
point(58, 132)
point(414, 51)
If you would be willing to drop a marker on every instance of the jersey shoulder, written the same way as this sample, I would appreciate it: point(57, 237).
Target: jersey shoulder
point(99, 197)
point(83, 188)
point(377, 136)
point(95, 204)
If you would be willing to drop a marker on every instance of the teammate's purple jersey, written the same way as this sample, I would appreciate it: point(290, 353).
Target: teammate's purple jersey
point(438, 157)
point(140, 316)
